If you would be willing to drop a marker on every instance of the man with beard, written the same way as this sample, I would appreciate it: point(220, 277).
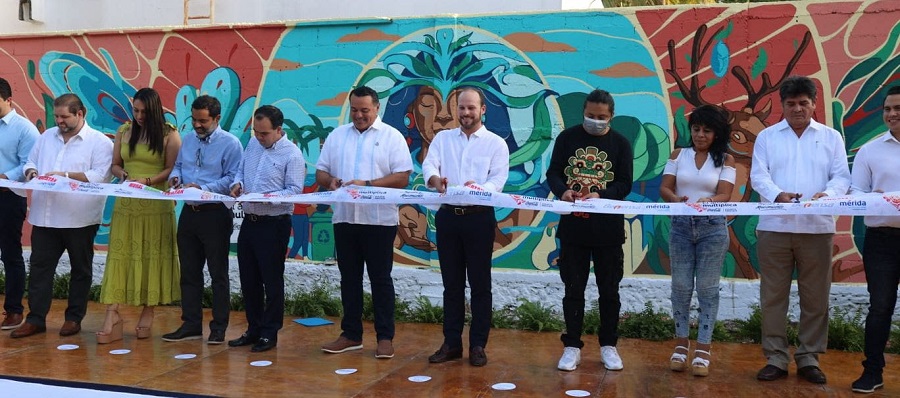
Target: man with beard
point(469, 154)
point(208, 160)
point(796, 158)
point(64, 222)
point(591, 160)
point(366, 152)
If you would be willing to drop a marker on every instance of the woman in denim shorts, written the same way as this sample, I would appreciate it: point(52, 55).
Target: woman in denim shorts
point(697, 244)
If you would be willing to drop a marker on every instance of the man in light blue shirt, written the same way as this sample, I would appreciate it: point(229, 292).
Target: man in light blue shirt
point(272, 165)
point(17, 136)
point(208, 160)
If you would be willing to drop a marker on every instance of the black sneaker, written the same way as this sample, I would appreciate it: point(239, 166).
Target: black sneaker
point(216, 337)
point(868, 382)
point(183, 334)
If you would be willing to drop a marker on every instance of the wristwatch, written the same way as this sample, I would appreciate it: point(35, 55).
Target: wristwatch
point(368, 183)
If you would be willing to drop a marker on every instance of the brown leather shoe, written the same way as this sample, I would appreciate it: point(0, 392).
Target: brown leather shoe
point(69, 328)
point(27, 329)
point(445, 353)
point(342, 344)
point(812, 374)
point(771, 373)
point(477, 356)
point(385, 349)
point(11, 321)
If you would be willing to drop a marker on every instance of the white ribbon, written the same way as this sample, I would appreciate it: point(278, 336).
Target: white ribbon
point(887, 204)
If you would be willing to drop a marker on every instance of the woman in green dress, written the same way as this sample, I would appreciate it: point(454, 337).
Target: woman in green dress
point(142, 262)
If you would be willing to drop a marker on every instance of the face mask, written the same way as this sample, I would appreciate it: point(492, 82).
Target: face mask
point(595, 127)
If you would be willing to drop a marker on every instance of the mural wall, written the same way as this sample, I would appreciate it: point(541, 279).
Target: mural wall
point(535, 69)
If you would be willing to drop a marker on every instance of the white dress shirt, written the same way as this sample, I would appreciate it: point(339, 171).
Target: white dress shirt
point(278, 170)
point(348, 154)
point(812, 163)
point(876, 168)
point(482, 157)
point(88, 152)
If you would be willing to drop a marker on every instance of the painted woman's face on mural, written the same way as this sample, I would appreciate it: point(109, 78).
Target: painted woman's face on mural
point(432, 114)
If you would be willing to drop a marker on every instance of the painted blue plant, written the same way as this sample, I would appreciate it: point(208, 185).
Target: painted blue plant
point(106, 95)
point(224, 84)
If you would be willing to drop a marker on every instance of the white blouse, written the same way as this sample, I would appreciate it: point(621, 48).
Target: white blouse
point(693, 182)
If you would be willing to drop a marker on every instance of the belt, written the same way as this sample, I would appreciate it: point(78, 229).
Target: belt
point(466, 210)
point(4, 189)
point(257, 218)
point(205, 207)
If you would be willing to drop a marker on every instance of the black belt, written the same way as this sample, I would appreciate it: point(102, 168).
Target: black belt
point(257, 218)
point(205, 207)
point(4, 189)
point(886, 230)
point(466, 210)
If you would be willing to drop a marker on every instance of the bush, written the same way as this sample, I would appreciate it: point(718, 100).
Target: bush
point(893, 345)
point(318, 301)
point(647, 324)
point(534, 316)
point(423, 311)
point(750, 330)
point(846, 332)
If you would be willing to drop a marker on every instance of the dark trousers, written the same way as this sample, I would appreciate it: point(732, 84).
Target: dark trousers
point(261, 246)
point(574, 269)
point(47, 246)
point(12, 215)
point(881, 259)
point(372, 247)
point(203, 238)
point(465, 244)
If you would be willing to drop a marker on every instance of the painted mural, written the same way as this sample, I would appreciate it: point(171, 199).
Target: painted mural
point(535, 70)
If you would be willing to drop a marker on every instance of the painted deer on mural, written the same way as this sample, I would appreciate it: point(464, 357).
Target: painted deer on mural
point(746, 123)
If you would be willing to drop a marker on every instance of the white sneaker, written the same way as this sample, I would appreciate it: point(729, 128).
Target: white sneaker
point(610, 357)
point(570, 359)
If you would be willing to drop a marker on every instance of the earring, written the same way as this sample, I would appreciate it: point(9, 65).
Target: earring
point(409, 120)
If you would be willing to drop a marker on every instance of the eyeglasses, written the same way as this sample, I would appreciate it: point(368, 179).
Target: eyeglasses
point(199, 158)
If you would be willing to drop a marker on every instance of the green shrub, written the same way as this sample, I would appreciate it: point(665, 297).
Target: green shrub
point(423, 311)
point(318, 301)
point(749, 330)
point(647, 324)
point(592, 319)
point(94, 293)
point(534, 316)
point(61, 286)
point(846, 332)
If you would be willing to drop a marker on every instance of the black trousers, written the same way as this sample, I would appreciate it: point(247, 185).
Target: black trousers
point(574, 269)
point(881, 260)
point(12, 215)
point(372, 247)
point(47, 246)
point(203, 238)
point(262, 244)
point(465, 245)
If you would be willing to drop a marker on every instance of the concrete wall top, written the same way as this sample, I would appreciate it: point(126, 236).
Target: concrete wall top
point(84, 15)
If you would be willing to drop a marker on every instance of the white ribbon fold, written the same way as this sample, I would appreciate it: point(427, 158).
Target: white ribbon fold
point(887, 204)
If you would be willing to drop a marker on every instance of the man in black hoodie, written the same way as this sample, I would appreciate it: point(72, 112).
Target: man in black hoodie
point(591, 161)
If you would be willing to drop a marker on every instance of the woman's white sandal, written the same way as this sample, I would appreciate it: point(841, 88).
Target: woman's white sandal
point(700, 365)
point(678, 361)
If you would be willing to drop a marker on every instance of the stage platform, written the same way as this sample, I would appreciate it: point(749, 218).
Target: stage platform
point(300, 369)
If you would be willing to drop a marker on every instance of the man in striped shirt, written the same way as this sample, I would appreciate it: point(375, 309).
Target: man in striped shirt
point(275, 166)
